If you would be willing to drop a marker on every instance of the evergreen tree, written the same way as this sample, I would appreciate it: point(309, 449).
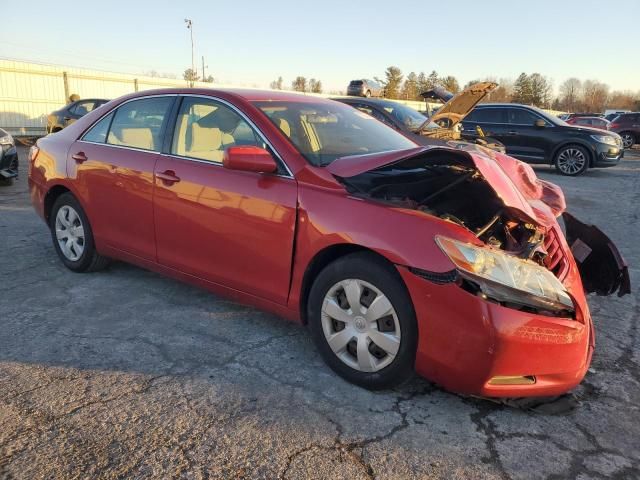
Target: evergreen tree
point(522, 90)
point(410, 87)
point(299, 84)
point(393, 82)
point(450, 83)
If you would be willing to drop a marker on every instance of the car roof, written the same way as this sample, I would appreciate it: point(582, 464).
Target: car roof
point(247, 94)
point(370, 101)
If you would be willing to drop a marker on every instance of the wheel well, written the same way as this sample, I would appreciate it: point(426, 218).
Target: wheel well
point(592, 157)
point(320, 261)
point(51, 197)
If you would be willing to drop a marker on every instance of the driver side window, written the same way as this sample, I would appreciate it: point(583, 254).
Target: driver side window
point(205, 128)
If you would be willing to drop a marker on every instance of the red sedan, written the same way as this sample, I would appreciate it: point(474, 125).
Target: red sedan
point(593, 122)
point(444, 260)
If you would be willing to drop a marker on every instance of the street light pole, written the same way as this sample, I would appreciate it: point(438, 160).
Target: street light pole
point(193, 63)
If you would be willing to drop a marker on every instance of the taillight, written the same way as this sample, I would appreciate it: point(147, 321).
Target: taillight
point(613, 125)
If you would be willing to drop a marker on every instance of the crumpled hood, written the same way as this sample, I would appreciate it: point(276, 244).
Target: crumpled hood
point(516, 184)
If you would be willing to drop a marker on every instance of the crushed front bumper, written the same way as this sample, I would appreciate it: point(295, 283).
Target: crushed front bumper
point(466, 343)
point(472, 345)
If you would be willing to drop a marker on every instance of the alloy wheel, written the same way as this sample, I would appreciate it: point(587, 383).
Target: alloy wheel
point(571, 161)
point(360, 325)
point(627, 140)
point(70, 233)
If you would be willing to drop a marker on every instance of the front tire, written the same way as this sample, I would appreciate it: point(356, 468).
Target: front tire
point(367, 93)
point(628, 139)
point(72, 236)
point(363, 322)
point(572, 160)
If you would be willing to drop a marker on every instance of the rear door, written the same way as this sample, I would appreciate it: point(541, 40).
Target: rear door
point(492, 122)
point(113, 165)
point(233, 228)
point(527, 141)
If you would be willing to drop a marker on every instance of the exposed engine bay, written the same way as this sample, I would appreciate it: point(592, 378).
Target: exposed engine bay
point(448, 188)
point(455, 186)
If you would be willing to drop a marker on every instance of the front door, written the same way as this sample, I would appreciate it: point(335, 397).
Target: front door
point(233, 228)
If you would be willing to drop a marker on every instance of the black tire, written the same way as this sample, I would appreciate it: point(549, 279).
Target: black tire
point(367, 93)
point(563, 168)
point(628, 139)
point(90, 260)
point(375, 271)
point(6, 182)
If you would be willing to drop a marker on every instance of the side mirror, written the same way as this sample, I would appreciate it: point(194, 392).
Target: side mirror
point(539, 123)
point(249, 159)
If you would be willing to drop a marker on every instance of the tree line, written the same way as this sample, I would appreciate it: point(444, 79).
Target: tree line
point(299, 84)
point(535, 89)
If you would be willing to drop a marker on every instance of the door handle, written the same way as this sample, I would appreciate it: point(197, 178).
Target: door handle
point(79, 157)
point(168, 177)
point(512, 132)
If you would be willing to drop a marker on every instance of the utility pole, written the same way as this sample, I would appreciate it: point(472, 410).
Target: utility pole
point(193, 63)
point(203, 77)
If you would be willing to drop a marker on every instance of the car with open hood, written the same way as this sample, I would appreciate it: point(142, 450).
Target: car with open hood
point(399, 257)
point(441, 126)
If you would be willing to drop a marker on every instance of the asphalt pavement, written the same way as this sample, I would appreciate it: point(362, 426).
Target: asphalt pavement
point(128, 374)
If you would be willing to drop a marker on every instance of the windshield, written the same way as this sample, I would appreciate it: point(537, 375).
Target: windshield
point(324, 131)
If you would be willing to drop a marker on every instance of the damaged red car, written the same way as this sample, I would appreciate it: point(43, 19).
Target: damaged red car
point(449, 261)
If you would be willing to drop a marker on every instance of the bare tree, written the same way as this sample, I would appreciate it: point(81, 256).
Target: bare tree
point(190, 75)
point(315, 86)
point(570, 92)
point(595, 95)
point(450, 83)
point(277, 84)
point(299, 84)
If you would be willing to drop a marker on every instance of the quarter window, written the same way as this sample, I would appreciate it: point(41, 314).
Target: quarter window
point(138, 123)
point(98, 133)
point(205, 128)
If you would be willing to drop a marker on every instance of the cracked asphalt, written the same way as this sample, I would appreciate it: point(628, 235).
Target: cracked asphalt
point(127, 374)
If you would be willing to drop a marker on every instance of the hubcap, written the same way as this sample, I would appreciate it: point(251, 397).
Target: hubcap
point(360, 325)
point(627, 140)
point(70, 233)
point(571, 161)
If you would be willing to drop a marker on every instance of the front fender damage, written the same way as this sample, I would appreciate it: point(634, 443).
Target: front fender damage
point(603, 269)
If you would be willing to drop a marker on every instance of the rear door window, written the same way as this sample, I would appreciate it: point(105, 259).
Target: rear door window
point(488, 115)
point(139, 123)
point(82, 108)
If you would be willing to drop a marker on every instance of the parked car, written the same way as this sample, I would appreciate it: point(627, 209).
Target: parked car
point(71, 112)
point(448, 261)
point(440, 127)
point(568, 116)
point(611, 114)
point(8, 158)
point(534, 136)
point(628, 126)
point(594, 122)
point(365, 88)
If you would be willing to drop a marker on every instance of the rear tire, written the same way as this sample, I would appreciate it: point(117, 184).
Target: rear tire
point(572, 160)
point(628, 139)
point(367, 93)
point(72, 236)
point(373, 341)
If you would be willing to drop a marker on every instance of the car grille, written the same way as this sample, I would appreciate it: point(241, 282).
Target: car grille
point(555, 261)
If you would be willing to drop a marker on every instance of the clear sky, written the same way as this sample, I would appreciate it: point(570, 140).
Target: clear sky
point(252, 42)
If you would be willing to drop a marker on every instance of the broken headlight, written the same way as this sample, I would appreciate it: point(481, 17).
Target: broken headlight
point(506, 278)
